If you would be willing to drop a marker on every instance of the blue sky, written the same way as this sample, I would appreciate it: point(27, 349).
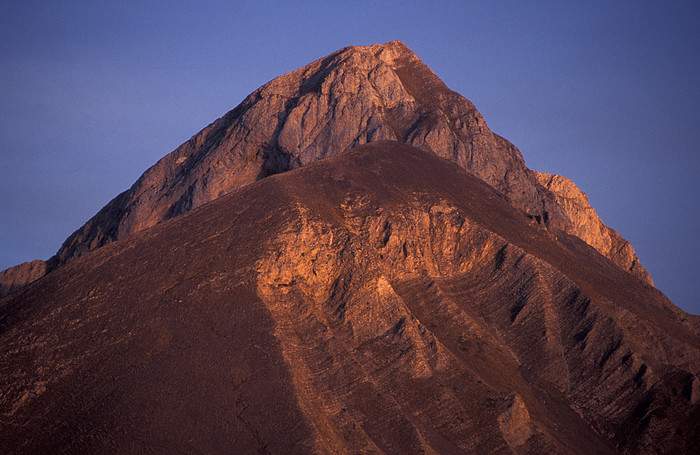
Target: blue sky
point(606, 93)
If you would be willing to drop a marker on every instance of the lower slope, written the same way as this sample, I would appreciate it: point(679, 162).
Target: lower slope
point(380, 301)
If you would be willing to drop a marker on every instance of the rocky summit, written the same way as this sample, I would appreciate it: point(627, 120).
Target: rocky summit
point(353, 96)
point(348, 262)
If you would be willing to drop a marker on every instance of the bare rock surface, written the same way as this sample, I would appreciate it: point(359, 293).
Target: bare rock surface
point(582, 221)
point(381, 301)
point(19, 275)
point(353, 96)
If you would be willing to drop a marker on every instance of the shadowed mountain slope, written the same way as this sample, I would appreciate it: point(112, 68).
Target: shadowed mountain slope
point(353, 96)
point(380, 301)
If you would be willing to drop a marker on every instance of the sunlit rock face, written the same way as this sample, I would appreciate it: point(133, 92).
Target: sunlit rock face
point(380, 301)
point(351, 97)
point(581, 220)
point(19, 275)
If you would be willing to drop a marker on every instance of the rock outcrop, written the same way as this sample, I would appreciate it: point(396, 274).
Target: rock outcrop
point(380, 301)
point(354, 96)
point(20, 275)
point(581, 220)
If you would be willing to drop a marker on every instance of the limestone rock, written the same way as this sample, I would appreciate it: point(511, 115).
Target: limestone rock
point(20, 275)
point(353, 96)
point(582, 221)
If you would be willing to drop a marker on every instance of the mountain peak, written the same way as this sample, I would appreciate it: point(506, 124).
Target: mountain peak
point(356, 95)
point(393, 53)
point(388, 52)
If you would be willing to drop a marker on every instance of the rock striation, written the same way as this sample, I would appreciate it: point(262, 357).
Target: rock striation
point(353, 96)
point(380, 301)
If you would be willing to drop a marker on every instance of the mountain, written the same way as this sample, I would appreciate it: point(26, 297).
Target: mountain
point(353, 96)
point(379, 301)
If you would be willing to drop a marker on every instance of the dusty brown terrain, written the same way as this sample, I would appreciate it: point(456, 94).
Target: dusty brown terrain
point(353, 96)
point(380, 301)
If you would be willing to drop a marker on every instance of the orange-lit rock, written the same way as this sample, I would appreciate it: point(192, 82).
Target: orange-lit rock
point(353, 96)
point(19, 275)
point(381, 301)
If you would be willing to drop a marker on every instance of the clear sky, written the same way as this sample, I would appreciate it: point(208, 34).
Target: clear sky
point(606, 93)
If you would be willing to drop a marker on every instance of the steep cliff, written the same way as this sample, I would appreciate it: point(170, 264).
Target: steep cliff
point(581, 220)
